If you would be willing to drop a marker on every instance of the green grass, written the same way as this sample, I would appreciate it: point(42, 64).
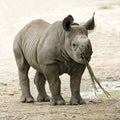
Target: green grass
point(3, 84)
point(105, 7)
point(114, 94)
point(94, 79)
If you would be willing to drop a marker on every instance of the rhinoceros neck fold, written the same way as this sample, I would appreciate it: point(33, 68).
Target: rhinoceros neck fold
point(61, 35)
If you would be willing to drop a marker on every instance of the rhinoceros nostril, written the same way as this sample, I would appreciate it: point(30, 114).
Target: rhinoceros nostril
point(88, 47)
point(82, 54)
point(88, 59)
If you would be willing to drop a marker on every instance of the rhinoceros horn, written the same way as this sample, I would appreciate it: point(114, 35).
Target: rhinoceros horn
point(90, 24)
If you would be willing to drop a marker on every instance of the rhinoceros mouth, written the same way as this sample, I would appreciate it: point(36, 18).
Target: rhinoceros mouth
point(83, 56)
point(87, 58)
point(81, 59)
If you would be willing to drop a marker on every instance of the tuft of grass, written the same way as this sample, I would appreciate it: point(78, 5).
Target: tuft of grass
point(105, 7)
point(3, 84)
point(10, 94)
point(113, 93)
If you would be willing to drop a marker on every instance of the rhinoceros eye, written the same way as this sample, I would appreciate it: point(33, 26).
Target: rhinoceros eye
point(74, 45)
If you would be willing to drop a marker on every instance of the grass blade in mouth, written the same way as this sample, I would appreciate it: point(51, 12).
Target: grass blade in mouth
point(90, 72)
point(93, 78)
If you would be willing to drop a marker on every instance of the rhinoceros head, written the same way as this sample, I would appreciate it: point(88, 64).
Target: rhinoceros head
point(77, 42)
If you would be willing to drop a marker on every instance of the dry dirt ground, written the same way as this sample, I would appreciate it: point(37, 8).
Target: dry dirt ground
point(14, 14)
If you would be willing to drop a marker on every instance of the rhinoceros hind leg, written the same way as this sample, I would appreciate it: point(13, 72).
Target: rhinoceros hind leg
point(40, 84)
point(23, 68)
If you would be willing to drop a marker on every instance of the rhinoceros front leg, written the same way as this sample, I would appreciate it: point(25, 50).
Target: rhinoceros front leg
point(52, 75)
point(40, 84)
point(75, 80)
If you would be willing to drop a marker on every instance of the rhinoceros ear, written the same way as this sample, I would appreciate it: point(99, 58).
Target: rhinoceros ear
point(90, 24)
point(67, 22)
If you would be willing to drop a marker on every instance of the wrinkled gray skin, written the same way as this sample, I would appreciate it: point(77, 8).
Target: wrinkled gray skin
point(52, 49)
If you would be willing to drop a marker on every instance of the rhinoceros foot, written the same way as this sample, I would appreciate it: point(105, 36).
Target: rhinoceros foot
point(75, 101)
point(82, 101)
point(45, 98)
point(57, 100)
point(24, 99)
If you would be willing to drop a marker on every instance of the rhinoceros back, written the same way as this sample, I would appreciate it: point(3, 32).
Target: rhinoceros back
point(28, 39)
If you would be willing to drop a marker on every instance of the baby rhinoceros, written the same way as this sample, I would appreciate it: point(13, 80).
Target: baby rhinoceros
point(53, 49)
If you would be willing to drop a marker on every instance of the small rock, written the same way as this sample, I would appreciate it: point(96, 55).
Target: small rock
point(73, 116)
